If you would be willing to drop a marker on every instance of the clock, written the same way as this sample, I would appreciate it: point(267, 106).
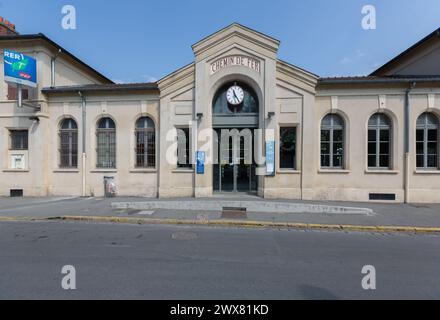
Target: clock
point(235, 95)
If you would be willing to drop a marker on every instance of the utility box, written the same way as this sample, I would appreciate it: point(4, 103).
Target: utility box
point(110, 187)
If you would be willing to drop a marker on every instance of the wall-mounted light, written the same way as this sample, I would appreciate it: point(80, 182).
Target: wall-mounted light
point(199, 116)
point(35, 119)
point(270, 115)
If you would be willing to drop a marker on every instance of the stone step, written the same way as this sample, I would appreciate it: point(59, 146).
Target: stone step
point(250, 206)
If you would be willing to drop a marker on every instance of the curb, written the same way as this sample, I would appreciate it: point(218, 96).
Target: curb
point(252, 224)
point(16, 219)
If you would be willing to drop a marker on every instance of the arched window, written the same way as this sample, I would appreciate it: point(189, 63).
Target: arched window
point(145, 143)
point(427, 141)
point(68, 144)
point(379, 142)
point(332, 142)
point(249, 105)
point(106, 143)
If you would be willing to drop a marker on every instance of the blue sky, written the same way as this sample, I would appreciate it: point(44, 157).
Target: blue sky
point(143, 40)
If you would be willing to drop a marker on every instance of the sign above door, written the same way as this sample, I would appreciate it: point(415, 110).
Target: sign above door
point(237, 61)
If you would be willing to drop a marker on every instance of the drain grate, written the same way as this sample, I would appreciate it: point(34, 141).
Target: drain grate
point(234, 213)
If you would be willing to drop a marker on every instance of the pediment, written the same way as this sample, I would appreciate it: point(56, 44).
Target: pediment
point(236, 34)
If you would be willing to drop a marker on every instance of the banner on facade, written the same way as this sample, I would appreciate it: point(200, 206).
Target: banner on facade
point(20, 69)
point(200, 156)
point(270, 158)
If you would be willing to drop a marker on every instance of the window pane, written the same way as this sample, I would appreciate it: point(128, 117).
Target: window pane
point(144, 123)
point(384, 135)
point(432, 162)
point(145, 148)
point(106, 123)
point(69, 148)
point(327, 121)
point(420, 163)
point(420, 135)
point(432, 148)
point(337, 161)
point(325, 135)
point(372, 161)
point(372, 135)
point(432, 135)
point(384, 120)
point(431, 119)
point(384, 161)
point(325, 161)
point(420, 148)
point(372, 148)
point(325, 148)
point(384, 148)
point(338, 149)
point(287, 148)
point(106, 148)
point(183, 152)
point(19, 139)
point(373, 120)
point(338, 135)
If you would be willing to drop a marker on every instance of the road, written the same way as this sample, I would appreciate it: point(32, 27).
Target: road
point(171, 262)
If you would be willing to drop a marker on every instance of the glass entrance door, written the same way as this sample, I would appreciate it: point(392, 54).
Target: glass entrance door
point(234, 177)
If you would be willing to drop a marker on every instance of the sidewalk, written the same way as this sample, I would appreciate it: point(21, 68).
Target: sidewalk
point(369, 217)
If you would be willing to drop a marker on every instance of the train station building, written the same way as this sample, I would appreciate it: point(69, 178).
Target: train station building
point(235, 120)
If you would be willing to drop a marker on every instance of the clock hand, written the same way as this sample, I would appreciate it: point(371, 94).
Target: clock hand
point(235, 95)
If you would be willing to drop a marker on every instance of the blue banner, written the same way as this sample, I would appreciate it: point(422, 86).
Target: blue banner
point(200, 162)
point(270, 158)
point(20, 69)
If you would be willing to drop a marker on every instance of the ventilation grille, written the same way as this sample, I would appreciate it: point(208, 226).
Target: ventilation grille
point(16, 193)
point(383, 196)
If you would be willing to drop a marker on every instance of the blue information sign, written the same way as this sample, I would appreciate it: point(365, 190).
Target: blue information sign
point(270, 158)
point(200, 162)
point(20, 69)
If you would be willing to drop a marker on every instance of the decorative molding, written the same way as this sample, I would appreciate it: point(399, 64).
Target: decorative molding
point(334, 103)
point(382, 101)
point(236, 60)
point(431, 101)
point(104, 107)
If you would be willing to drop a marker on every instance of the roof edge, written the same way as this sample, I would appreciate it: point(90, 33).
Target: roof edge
point(41, 36)
point(148, 86)
point(388, 64)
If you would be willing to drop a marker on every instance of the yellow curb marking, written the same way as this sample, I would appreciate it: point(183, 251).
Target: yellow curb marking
point(252, 224)
point(237, 223)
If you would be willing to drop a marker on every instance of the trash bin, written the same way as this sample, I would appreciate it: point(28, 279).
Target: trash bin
point(109, 187)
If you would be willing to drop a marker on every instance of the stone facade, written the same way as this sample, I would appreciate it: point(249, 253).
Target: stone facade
point(288, 97)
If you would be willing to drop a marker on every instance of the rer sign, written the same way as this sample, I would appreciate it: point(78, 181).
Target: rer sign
point(20, 69)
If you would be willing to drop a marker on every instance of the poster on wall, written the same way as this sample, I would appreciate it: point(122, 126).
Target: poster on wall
point(20, 69)
point(270, 158)
point(200, 162)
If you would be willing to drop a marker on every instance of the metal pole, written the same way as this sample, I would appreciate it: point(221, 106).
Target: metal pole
point(407, 142)
point(20, 96)
point(84, 153)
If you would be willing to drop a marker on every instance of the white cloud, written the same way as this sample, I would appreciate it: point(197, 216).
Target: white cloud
point(149, 78)
point(345, 60)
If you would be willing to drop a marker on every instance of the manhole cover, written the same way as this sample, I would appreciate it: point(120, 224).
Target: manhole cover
point(184, 236)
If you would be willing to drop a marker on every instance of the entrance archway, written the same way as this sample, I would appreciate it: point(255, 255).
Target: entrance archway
point(235, 110)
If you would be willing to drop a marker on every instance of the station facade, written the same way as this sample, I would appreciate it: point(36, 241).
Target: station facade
point(369, 138)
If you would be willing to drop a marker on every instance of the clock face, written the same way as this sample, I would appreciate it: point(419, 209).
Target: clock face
point(235, 95)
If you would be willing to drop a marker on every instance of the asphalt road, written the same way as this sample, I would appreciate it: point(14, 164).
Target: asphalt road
point(166, 262)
